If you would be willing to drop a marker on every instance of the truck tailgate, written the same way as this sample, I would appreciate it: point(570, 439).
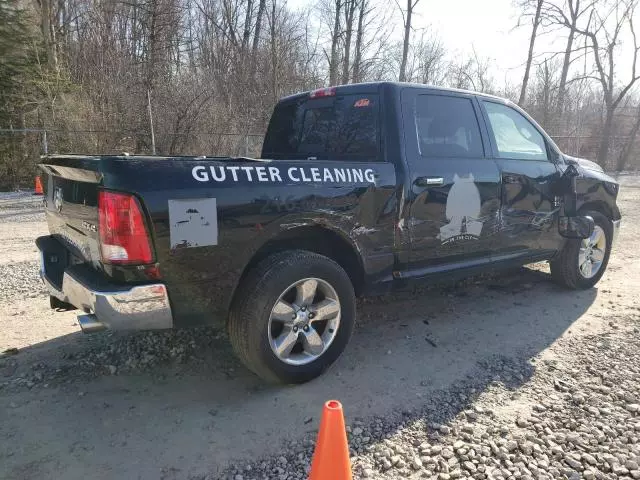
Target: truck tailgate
point(72, 207)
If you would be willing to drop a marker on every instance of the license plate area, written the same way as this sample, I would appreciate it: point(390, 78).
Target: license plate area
point(54, 261)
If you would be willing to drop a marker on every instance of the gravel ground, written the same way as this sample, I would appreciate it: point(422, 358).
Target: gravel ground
point(576, 417)
point(20, 207)
point(20, 280)
point(499, 378)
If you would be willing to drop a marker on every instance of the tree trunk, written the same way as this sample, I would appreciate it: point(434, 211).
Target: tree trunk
point(153, 133)
point(335, 37)
point(256, 34)
point(274, 53)
point(350, 8)
point(359, 37)
point(532, 41)
point(246, 34)
point(546, 96)
point(623, 159)
point(565, 72)
point(48, 40)
point(603, 149)
point(405, 47)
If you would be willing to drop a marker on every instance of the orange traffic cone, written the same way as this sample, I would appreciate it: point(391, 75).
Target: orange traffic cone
point(39, 190)
point(331, 456)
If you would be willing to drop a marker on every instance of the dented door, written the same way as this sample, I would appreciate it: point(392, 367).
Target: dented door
point(455, 189)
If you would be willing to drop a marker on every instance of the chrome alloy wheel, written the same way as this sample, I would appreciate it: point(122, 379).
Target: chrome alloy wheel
point(304, 321)
point(592, 253)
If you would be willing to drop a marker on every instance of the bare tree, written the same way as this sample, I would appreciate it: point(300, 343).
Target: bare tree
point(603, 32)
point(357, 61)
point(532, 41)
point(350, 7)
point(188, 75)
point(544, 91)
point(406, 16)
point(372, 39)
point(336, 34)
point(567, 15)
point(429, 57)
point(625, 154)
point(471, 73)
point(256, 36)
point(48, 32)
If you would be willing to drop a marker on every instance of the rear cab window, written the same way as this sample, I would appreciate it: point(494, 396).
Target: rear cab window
point(331, 127)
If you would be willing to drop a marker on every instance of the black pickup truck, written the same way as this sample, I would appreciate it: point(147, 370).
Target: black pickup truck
point(360, 189)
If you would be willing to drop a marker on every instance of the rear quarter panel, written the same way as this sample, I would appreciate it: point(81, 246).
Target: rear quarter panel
point(358, 201)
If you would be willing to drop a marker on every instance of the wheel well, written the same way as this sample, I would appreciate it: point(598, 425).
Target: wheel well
point(318, 240)
point(600, 207)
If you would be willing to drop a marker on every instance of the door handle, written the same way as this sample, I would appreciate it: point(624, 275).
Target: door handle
point(429, 181)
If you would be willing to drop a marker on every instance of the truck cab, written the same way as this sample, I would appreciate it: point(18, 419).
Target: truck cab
point(360, 189)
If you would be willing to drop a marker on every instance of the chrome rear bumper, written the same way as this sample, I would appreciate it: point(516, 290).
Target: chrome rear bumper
point(141, 307)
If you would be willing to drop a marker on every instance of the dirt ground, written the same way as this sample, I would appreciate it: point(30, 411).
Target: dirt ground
point(179, 405)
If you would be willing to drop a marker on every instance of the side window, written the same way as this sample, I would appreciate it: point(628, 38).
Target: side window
point(516, 137)
point(447, 127)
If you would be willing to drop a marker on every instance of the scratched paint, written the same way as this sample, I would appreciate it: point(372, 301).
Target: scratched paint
point(193, 223)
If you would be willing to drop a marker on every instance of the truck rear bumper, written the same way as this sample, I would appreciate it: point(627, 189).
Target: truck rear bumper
point(141, 307)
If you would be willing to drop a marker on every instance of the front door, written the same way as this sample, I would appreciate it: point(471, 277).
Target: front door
point(454, 189)
point(530, 207)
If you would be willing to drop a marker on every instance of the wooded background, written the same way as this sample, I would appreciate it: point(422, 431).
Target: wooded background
point(201, 76)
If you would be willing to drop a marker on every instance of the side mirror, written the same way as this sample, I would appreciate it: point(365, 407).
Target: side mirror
point(576, 227)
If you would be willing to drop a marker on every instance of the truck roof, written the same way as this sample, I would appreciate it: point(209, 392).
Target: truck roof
point(375, 86)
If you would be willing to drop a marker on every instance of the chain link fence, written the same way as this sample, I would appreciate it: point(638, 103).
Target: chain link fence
point(20, 150)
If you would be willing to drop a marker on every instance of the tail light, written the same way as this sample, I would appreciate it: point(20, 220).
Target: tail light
point(124, 239)
point(323, 92)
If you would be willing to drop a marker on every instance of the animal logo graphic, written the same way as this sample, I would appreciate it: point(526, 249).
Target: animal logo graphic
point(462, 211)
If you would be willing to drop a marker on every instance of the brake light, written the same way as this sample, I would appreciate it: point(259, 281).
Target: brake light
point(323, 92)
point(124, 239)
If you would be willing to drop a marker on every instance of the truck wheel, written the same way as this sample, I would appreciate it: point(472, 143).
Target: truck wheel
point(581, 263)
point(292, 317)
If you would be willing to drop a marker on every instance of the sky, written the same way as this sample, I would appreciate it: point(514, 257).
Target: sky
point(489, 26)
point(486, 25)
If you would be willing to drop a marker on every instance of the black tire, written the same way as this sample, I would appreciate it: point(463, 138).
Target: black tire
point(257, 295)
point(565, 267)
point(57, 304)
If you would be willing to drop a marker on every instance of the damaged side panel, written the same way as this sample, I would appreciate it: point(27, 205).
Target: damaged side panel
point(205, 242)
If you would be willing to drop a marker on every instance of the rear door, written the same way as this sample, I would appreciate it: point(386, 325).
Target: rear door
point(528, 173)
point(454, 185)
